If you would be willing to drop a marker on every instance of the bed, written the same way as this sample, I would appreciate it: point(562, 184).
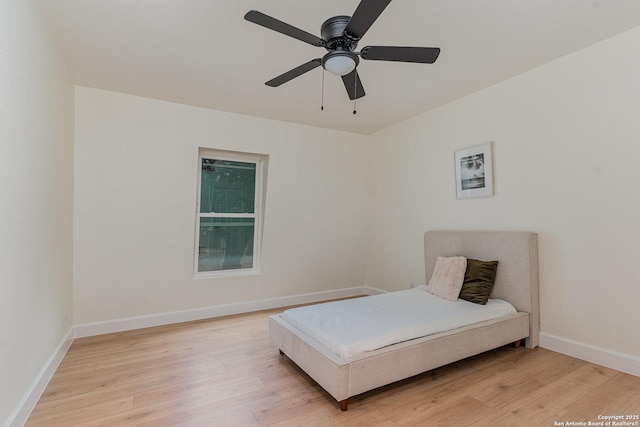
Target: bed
point(516, 282)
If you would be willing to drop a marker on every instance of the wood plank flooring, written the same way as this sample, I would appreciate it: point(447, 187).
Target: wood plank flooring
point(225, 372)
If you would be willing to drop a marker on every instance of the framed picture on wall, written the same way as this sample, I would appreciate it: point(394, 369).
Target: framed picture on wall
point(474, 171)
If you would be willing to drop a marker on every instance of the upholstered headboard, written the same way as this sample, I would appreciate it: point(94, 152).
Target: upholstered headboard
point(517, 256)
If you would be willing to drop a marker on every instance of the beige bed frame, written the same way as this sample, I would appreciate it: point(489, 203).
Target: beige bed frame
point(516, 282)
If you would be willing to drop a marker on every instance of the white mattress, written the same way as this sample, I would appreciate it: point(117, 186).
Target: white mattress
point(353, 326)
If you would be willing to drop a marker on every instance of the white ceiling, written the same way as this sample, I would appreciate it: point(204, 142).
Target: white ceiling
point(203, 53)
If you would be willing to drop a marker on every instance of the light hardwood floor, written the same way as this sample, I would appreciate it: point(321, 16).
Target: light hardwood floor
point(225, 372)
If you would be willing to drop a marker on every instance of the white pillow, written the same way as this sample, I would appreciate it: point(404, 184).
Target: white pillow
point(448, 277)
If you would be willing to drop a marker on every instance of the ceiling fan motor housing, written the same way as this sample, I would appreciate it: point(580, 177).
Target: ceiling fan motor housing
point(332, 32)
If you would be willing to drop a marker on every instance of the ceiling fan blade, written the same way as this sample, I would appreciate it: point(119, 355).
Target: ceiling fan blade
point(282, 27)
point(292, 74)
point(424, 55)
point(353, 85)
point(364, 16)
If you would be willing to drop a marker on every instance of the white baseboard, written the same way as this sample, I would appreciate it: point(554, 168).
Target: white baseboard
point(601, 356)
point(368, 290)
point(130, 323)
point(28, 402)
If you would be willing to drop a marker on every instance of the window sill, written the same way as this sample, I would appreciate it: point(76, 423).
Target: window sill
point(226, 273)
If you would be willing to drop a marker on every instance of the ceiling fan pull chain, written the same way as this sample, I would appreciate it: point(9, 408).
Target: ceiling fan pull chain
point(322, 96)
point(355, 93)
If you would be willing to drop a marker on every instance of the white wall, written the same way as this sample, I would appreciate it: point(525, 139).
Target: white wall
point(36, 196)
point(135, 197)
point(567, 145)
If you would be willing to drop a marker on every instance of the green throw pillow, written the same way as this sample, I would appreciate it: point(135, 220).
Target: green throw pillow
point(478, 281)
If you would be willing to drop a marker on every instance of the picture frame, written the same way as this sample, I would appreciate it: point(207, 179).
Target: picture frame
point(474, 171)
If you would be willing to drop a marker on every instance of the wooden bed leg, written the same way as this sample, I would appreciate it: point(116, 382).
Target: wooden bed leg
point(517, 344)
point(344, 404)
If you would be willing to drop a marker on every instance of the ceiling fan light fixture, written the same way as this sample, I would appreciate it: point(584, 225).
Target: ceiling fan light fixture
point(340, 62)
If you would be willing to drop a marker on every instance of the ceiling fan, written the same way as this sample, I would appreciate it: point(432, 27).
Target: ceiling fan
point(340, 36)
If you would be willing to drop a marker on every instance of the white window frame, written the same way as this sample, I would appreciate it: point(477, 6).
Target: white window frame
point(257, 215)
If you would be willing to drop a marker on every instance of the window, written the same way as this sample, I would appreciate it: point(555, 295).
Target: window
point(229, 213)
